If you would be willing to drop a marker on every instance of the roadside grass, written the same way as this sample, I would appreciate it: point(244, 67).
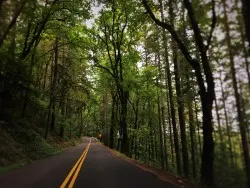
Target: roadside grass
point(10, 167)
point(21, 143)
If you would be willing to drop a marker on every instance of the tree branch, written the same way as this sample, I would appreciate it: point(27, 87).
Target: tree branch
point(212, 27)
point(13, 22)
point(173, 33)
point(100, 66)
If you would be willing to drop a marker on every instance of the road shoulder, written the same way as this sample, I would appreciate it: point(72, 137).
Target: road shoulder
point(161, 174)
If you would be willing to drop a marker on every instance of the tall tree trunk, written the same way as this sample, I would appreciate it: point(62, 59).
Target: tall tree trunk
point(179, 99)
point(246, 53)
point(198, 126)
point(16, 14)
point(226, 119)
point(246, 15)
point(171, 99)
point(45, 75)
point(164, 139)
point(51, 108)
point(160, 132)
point(112, 122)
point(240, 117)
point(124, 103)
point(170, 131)
point(63, 110)
point(181, 114)
point(53, 89)
point(219, 126)
point(135, 110)
point(159, 112)
point(151, 136)
point(190, 99)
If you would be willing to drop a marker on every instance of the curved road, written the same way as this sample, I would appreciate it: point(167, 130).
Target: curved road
point(96, 168)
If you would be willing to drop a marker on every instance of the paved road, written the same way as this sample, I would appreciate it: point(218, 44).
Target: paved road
point(99, 169)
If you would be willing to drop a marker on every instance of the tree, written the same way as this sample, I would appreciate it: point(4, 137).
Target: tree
point(206, 94)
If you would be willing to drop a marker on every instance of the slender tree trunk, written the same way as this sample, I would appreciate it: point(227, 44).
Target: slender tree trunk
point(124, 103)
point(164, 139)
point(152, 139)
point(219, 126)
point(170, 92)
point(243, 102)
point(112, 122)
point(180, 104)
point(159, 112)
point(181, 115)
point(51, 108)
point(160, 132)
point(170, 131)
point(45, 75)
point(198, 126)
point(155, 134)
point(246, 15)
point(135, 110)
point(63, 101)
point(53, 89)
point(226, 119)
point(191, 124)
point(48, 120)
point(13, 21)
point(172, 111)
point(246, 53)
point(237, 98)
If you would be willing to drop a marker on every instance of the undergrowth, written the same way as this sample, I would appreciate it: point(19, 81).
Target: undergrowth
point(21, 143)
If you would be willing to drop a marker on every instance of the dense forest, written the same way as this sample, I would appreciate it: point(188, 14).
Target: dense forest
point(164, 82)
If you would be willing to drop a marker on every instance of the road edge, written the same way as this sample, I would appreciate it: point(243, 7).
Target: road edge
point(164, 176)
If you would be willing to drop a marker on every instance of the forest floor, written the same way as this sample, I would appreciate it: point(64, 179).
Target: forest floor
point(22, 143)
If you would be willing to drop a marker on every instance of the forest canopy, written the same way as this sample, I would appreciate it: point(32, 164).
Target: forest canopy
point(166, 82)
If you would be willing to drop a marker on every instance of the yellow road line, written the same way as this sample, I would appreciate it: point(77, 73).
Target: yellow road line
point(74, 168)
point(78, 169)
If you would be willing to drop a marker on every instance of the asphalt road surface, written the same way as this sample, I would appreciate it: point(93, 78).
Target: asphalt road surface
point(89, 165)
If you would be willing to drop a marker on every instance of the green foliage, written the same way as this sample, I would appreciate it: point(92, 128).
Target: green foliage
point(61, 78)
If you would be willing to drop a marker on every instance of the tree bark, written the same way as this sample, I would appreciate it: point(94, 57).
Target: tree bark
point(164, 139)
point(170, 93)
point(181, 115)
point(226, 118)
point(124, 103)
point(219, 126)
point(13, 21)
point(246, 15)
point(112, 122)
point(190, 99)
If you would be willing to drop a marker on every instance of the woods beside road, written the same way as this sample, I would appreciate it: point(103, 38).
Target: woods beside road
point(166, 83)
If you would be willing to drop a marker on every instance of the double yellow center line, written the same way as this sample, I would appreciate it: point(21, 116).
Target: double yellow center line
point(76, 169)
